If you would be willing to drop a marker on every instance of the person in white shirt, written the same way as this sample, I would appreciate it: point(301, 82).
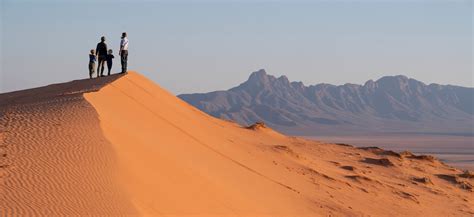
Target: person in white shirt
point(124, 52)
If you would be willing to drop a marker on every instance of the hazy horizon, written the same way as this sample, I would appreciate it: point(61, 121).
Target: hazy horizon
point(201, 46)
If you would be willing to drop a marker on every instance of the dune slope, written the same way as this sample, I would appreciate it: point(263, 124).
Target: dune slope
point(54, 159)
point(128, 147)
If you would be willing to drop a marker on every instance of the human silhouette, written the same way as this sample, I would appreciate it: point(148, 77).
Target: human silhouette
point(101, 51)
point(110, 56)
point(92, 60)
point(124, 52)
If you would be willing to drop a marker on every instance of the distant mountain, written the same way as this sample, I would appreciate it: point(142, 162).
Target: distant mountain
point(390, 104)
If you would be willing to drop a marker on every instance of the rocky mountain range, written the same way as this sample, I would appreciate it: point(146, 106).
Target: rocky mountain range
point(389, 104)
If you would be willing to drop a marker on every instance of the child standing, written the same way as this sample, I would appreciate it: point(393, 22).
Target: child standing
point(110, 56)
point(92, 60)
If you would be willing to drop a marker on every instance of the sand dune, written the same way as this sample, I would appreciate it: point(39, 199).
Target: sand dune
point(123, 146)
point(56, 160)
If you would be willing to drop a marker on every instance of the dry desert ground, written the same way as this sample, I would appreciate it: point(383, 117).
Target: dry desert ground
point(123, 146)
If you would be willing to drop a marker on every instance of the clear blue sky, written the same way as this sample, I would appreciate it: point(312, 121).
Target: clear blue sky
point(199, 46)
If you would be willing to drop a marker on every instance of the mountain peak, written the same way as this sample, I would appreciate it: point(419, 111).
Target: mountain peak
point(258, 74)
point(259, 79)
point(394, 78)
point(283, 79)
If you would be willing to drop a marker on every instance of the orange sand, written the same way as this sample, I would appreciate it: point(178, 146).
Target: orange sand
point(123, 146)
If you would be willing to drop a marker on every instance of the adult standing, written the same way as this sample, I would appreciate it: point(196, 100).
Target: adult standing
point(124, 52)
point(101, 52)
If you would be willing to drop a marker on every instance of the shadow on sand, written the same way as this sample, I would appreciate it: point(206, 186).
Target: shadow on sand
point(56, 90)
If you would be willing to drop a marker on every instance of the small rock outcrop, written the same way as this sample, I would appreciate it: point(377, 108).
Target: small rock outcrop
point(424, 180)
point(256, 126)
point(381, 162)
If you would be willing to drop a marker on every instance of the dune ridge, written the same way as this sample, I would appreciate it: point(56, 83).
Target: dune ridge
point(123, 146)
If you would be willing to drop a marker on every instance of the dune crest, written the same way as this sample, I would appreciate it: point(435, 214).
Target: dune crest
point(128, 147)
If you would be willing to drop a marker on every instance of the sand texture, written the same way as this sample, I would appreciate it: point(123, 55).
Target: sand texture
point(123, 146)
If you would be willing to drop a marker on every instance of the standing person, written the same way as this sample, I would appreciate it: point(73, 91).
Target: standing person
point(124, 52)
point(110, 56)
point(92, 60)
point(101, 51)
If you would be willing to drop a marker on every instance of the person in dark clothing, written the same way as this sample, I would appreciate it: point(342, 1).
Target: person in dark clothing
point(124, 52)
point(110, 56)
point(92, 60)
point(101, 51)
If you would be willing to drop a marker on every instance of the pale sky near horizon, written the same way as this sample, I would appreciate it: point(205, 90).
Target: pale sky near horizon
point(198, 46)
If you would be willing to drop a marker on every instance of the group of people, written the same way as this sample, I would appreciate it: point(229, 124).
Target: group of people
point(102, 55)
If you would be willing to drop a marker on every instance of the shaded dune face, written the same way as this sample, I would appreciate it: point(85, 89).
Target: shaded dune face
point(56, 161)
point(52, 92)
point(121, 145)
